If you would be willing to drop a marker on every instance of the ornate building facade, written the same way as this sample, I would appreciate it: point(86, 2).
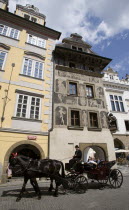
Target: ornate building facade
point(26, 81)
point(79, 106)
point(117, 97)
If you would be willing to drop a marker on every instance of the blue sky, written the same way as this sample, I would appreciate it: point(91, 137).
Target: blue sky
point(102, 23)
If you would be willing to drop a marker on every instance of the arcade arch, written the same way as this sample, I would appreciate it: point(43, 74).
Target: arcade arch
point(31, 149)
point(94, 151)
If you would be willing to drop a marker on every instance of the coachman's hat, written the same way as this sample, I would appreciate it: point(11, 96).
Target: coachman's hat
point(76, 146)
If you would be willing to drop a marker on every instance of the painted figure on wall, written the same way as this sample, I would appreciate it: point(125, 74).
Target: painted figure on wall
point(100, 92)
point(84, 118)
point(104, 119)
point(61, 116)
point(60, 86)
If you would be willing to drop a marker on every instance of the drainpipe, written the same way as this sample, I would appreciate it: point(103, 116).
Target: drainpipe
point(6, 96)
point(51, 129)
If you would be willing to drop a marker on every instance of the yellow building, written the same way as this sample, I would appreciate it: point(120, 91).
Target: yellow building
point(26, 78)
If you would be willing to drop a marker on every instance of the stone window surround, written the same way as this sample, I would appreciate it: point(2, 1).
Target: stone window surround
point(31, 57)
point(70, 127)
point(3, 65)
point(72, 81)
point(93, 88)
point(29, 94)
point(8, 32)
point(98, 117)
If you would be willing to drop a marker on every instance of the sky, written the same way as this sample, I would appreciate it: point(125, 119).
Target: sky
point(104, 24)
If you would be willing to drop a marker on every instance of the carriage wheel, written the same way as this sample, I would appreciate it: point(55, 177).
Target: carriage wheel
point(115, 178)
point(71, 180)
point(81, 184)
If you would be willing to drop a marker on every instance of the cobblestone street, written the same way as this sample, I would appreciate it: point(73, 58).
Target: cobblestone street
point(115, 199)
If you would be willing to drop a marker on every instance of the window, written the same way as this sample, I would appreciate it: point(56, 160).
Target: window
point(80, 49)
point(28, 107)
point(72, 88)
point(2, 59)
point(33, 19)
point(93, 120)
point(10, 32)
point(74, 48)
point(75, 118)
point(89, 91)
point(36, 41)
point(127, 125)
point(33, 68)
point(116, 103)
point(27, 17)
point(72, 65)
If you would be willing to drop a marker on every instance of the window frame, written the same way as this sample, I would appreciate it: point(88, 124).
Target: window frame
point(90, 128)
point(28, 109)
point(74, 82)
point(37, 39)
point(74, 127)
point(33, 68)
point(3, 65)
point(93, 90)
point(127, 129)
point(8, 32)
point(116, 105)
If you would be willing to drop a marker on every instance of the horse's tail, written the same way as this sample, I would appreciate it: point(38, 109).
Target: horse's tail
point(63, 171)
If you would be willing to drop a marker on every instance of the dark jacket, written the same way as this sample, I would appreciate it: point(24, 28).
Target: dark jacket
point(78, 154)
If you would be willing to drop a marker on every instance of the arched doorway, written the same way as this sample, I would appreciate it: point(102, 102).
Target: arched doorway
point(118, 144)
point(27, 150)
point(94, 151)
point(31, 149)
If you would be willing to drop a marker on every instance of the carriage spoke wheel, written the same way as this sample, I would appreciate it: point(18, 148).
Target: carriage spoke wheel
point(71, 180)
point(115, 178)
point(81, 184)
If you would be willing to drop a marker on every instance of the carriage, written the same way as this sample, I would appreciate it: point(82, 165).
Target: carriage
point(102, 173)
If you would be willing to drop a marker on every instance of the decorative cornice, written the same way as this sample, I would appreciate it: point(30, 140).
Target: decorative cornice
point(29, 93)
point(116, 85)
point(34, 54)
point(26, 24)
point(6, 47)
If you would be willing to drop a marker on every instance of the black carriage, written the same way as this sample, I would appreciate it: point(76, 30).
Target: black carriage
point(102, 172)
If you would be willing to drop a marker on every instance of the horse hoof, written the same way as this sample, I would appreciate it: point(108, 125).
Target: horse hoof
point(55, 195)
point(39, 198)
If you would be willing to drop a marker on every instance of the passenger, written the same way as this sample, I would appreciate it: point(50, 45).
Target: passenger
point(77, 156)
point(92, 160)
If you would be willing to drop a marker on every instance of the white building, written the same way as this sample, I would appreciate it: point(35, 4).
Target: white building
point(117, 97)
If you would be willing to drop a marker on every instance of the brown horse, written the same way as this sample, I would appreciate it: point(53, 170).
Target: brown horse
point(32, 169)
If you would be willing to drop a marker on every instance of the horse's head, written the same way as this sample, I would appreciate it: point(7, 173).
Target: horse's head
point(13, 162)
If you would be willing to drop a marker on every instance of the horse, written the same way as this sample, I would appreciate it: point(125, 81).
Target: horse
point(32, 169)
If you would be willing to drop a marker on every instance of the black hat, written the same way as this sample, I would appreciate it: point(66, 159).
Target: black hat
point(76, 146)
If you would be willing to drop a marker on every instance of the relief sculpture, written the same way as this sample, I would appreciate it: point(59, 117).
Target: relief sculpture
point(82, 101)
point(82, 90)
point(84, 118)
point(103, 116)
point(61, 115)
point(100, 92)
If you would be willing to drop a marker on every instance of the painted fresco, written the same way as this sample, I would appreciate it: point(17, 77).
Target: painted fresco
point(84, 118)
point(61, 115)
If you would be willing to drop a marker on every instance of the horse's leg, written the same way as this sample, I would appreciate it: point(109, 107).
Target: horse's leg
point(56, 189)
point(37, 189)
point(33, 184)
point(22, 190)
point(51, 185)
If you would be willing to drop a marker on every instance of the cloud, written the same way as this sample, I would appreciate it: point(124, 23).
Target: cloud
point(94, 20)
point(120, 66)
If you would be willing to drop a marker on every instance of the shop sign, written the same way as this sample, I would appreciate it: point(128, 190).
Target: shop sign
point(31, 137)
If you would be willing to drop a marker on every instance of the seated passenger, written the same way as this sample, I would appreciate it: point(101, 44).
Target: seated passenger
point(92, 160)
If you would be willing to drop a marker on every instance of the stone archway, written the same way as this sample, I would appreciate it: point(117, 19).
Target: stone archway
point(118, 144)
point(95, 151)
point(12, 148)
